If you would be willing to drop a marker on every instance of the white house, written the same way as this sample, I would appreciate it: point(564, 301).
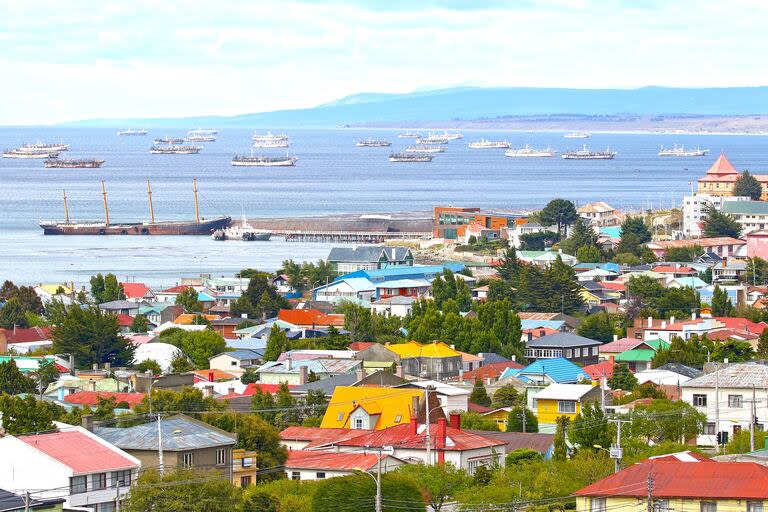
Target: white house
point(452, 398)
point(310, 465)
point(694, 207)
point(396, 305)
point(354, 289)
point(71, 463)
point(727, 393)
point(236, 361)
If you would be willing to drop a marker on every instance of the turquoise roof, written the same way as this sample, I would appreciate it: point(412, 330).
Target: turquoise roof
point(404, 272)
point(204, 297)
point(691, 282)
point(551, 324)
point(559, 370)
point(611, 231)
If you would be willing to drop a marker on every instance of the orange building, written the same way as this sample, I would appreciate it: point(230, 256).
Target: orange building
point(452, 223)
point(720, 179)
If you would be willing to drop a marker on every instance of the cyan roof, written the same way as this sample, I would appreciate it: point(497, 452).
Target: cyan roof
point(551, 324)
point(745, 207)
point(691, 282)
point(559, 370)
point(243, 354)
point(405, 272)
point(562, 339)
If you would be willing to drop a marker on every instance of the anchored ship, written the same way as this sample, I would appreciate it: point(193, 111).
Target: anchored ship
point(88, 163)
point(198, 226)
point(17, 153)
point(681, 151)
point(488, 144)
point(410, 157)
point(200, 136)
point(452, 136)
point(174, 150)
point(282, 143)
point(264, 161)
point(242, 231)
point(431, 138)
point(576, 135)
point(269, 137)
point(528, 151)
point(408, 135)
point(422, 148)
point(169, 140)
point(131, 132)
point(371, 143)
point(586, 154)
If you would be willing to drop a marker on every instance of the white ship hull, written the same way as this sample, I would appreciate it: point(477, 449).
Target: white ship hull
point(269, 137)
point(28, 155)
point(426, 149)
point(576, 136)
point(271, 144)
point(513, 153)
point(289, 162)
point(600, 156)
point(488, 145)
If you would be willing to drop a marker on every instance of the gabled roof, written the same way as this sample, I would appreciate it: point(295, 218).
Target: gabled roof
point(175, 289)
point(672, 269)
point(91, 398)
point(557, 369)
point(309, 317)
point(675, 479)
point(332, 461)
point(401, 437)
point(742, 323)
point(392, 405)
point(490, 370)
point(599, 370)
point(416, 349)
point(79, 451)
point(681, 369)
point(189, 318)
point(620, 345)
point(317, 436)
point(562, 339)
point(722, 166)
point(180, 433)
point(136, 290)
point(26, 335)
point(743, 375)
point(242, 354)
point(118, 304)
point(542, 443)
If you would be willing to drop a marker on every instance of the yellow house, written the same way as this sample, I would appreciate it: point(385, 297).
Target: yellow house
point(189, 318)
point(243, 467)
point(562, 400)
point(681, 482)
point(370, 408)
point(500, 416)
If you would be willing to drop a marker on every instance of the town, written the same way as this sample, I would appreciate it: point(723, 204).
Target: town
point(571, 358)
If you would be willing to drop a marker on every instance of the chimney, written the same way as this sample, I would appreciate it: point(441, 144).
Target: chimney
point(488, 381)
point(461, 373)
point(693, 315)
point(455, 420)
point(208, 390)
point(663, 324)
point(530, 336)
point(415, 407)
point(650, 321)
point(95, 366)
point(92, 384)
point(542, 333)
point(615, 337)
point(210, 377)
point(399, 371)
point(87, 422)
point(71, 364)
point(107, 365)
point(360, 374)
point(414, 426)
point(441, 439)
point(671, 320)
point(230, 390)
point(287, 362)
point(514, 358)
point(453, 346)
point(303, 375)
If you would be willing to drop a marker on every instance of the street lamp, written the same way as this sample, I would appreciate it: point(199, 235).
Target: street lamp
point(161, 465)
point(615, 453)
point(377, 477)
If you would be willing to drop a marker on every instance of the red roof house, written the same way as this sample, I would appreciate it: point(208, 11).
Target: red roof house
point(601, 369)
point(309, 318)
point(308, 463)
point(137, 292)
point(91, 398)
point(742, 324)
point(490, 371)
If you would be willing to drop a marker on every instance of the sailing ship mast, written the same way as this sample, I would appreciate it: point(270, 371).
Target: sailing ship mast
point(66, 208)
point(197, 209)
point(106, 208)
point(151, 208)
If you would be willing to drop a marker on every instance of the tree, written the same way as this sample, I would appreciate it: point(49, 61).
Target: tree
point(522, 419)
point(28, 299)
point(523, 456)
point(260, 300)
point(91, 336)
point(12, 381)
point(692, 352)
point(505, 396)
point(105, 409)
point(277, 343)
point(561, 448)
point(188, 299)
point(479, 395)
point(561, 288)
point(600, 326)
point(12, 314)
point(249, 376)
point(357, 492)
point(591, 427)
point(582, 235)
point(588, 254)
point(721, 303)
point(735, 351)
point(26, 415)
point(106, 288)
point(717, 223)
point(438, 482)
point(149, 365)
point(189, 400)
point(509, 266)
point(538, 241)
point(684, 254)
point(181, 363)
point(46, 373)
point(191, 490)
point(198, 346)
point(8, 290)
point(622, 378)
point(665, 420)
point(746, 185)
point(476, 421)
point(559, 212)
point(140, 324)
point(634, 235)
point(762, 345)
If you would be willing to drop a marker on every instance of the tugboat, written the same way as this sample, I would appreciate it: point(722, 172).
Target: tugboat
point(175, 150)
point(371, 143)
point(586, 154)
point(90, 163)
point(528, 151)
point(242, 231)
point(488, 144)
point(410, 157)
point(681, 151)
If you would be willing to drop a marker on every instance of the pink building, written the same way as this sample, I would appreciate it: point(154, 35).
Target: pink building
point(757, 244)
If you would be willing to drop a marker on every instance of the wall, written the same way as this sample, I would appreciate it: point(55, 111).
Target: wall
point(729, 416)
point(621, 504)
point(547, 411)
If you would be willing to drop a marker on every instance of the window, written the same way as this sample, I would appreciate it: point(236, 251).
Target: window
point(700, 400)
point(734, 401)
point(398, 418)
point(233, 363)
point(221, 456)
point(661, 506)
point(188, 459)
point(566, 406)
point(78, 484)
point(708, 506)
point(99, 481)
point(105, 507)
point(754, 506)
point(597, 505)
point(472, 465)
point(340, 416)
point(358, 423)
point(247, 462)
point(245, 481)
point(709, 429)
point(320, 475)
point(569, 353)
point(121, 478)
point(295, 475)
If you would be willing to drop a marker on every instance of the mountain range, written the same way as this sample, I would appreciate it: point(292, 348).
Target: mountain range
point(473, 103)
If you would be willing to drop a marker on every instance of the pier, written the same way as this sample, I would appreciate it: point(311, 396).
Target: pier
point(365, 237)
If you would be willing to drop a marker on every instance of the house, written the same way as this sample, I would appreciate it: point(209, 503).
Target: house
point(435, 361)
point(315, 438)
point(158, 313)
point(191, 319)
point(226, 326)
point(723, 247)
point(687, 282)
point(226, 285)
point(451, 398)
point(617, 346)
point(120, 307)
point(600, 214)
point(757, 244)
point(726, 393)
point(303, 465)
point(21, 340)
point(531, 319)
point(310, 318)
point(371, 408)
point(236, 361)
point(92, 398)
point(690, 485)
point(720, 179)
point(344, 260)
point(187, 442)
point(170, 294)
point(568, 345)
point(558, 400)
point(480, 293)
point(694, 211)
point(545, 258)
point(281, 282)
point(729, 271)
point(10, 502)
point(515, 233)
point(137, 292)
point(602, 370)
point(244, 469)
point(451, 223)
point(71, 463)
point(751, 215)
point(639, 357)
point(547, 371)
point(297, 372)
point(492, 371)
point(396, 305)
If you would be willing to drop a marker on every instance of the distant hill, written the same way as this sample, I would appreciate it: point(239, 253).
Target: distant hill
point(469, 103)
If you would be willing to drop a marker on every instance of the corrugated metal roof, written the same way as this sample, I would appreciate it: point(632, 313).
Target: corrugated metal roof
point(562, 339)
point(564, 391)
point(179, 433)
point(332, 461)
point(558, 369)
point(79, 452)
point(743, 375)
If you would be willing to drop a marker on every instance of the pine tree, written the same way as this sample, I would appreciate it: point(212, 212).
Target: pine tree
point(582, 235)
point(762, 345)
point(12, 314)
point(622, 378)
point(562, 288)
point(515, 420)
point(717, 223)
point(746, 185)
point(561, 448)
point(479, 395)
point(12, 381)
point(277, 343)
point(509, 267)
point(721, 303)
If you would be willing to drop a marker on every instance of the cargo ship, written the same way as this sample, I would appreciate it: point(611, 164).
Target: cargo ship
point(132, 133)
point(681, 151)
point(586, 154)
point(264, 161)
point(372, 143)
point(410, 157)
point(87, 163)
point(198, 226)
point(175, 150)
point(488, 144)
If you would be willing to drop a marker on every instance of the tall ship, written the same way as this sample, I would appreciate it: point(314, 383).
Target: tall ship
point(424, 148)
point(242, 231)
point(408, 135)
point(264, 161)
point(132, 133)
point(171, 149)
point(410, 157)
point(529, 152)
point(576, 135)
point(586, 154)
point(432, 138)
point(169, 140)
point(488, 144)
point(269, 136)
point(372, 143)
point(198, 226)
point(681, 151)
point(282, 143)
point(67, 163)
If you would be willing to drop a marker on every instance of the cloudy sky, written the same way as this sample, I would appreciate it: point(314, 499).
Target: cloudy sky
point(66, 60)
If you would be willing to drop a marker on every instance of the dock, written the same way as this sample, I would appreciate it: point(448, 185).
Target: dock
point(363, 237)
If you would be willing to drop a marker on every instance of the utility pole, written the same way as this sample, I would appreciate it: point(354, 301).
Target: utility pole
point(426, 423)
point(616, 451)
point(717, 405)
point(650, 492)
point(160, 446)
point(378, 482)
point(26, 501)
point(117, 496)
point(753, 419)
point(524, 413)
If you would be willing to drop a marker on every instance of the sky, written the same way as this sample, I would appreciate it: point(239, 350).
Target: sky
point(72, 60)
